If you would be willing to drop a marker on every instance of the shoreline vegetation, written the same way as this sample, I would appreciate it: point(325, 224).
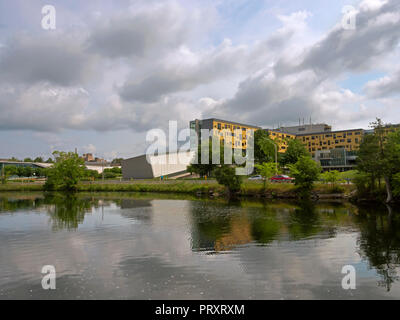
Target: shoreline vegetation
point(208, 188)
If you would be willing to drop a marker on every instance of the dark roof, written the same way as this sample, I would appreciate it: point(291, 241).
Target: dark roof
point(231, 122)
point(328, 132)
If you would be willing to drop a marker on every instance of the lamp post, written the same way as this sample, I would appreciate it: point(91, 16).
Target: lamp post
point(276, 159)
point(276, 155)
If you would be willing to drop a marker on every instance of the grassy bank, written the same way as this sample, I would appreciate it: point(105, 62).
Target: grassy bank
point(248, 189)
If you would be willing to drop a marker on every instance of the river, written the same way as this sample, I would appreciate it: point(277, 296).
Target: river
point(148, 246)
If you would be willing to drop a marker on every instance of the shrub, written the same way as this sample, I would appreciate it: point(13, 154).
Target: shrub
point(226, 176)
point(305, 171)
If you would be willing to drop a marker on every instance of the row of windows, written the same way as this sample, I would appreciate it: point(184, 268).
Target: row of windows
point(220, 126)
point(332, 135)
point(313, 149)
point(356, 140)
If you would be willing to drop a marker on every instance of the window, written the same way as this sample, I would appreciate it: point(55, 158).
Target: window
point(219, 126)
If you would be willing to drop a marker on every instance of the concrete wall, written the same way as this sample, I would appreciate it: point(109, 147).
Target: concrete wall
point(137, 168)
point(159, 165)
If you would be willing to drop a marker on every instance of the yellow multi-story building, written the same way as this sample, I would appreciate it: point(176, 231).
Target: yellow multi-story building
point(281, 139)
point(349, 140)
point(234, 133)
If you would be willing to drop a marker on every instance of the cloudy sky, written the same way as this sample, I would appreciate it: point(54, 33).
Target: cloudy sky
point(112, 70)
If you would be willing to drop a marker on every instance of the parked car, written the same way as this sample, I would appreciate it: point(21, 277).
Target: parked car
point(256, 177)
point(281, 178)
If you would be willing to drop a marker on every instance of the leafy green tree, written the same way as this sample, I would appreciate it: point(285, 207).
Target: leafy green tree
point(205, 169)
point(10, 171)
point(348, 176)
point(331, 177)
point(66, 172)
point(38, 159)
point(226, 176)
point(294, 151)
point(264, 147)
point(305, 171)
point(117, 161)
point(39, 172)
point(266, 170)
point(28, 160)
point(379, 156)
point(49, 160)
point(27, 172)
point(91, 174)
point(368, 162)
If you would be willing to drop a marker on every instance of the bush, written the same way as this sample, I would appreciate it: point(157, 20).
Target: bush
point(226, 176)
point(66, 173)
point(305, 171)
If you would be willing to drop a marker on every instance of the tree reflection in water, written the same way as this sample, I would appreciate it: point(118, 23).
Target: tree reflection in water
point(379, 241)
point(67, 211)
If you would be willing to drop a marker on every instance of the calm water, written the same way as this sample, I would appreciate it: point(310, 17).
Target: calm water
point(120, 246)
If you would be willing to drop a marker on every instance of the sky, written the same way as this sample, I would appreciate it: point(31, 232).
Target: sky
point(113, 70)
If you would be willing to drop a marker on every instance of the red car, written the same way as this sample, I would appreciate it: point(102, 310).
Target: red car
point(281, 178)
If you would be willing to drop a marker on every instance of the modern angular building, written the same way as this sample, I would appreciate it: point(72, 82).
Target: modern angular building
point(232, 132)
point(171, 164)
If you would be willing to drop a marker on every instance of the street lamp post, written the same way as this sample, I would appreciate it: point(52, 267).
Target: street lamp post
point(276, 159)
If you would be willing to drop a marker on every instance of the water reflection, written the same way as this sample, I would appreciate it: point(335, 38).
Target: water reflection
point(379, 242)
point(165, 242)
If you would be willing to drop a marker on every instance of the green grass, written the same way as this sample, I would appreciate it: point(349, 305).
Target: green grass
point(178, 187)
point(249, 188)
point(21, 187)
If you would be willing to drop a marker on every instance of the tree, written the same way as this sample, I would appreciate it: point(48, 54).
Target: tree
point(112, 173)
point(28, 160)
point(205, 169)
point(331, 176)
point(264, 147)
point(266, 170)
point(226, 176)
point(294, 151)
point(117, 161)
point(38, 159)
point(348, 175)
point(379, 156)
point(91, 174)
point(305, 171)
point(66, 172)
point(368, 161)
point(49, 160)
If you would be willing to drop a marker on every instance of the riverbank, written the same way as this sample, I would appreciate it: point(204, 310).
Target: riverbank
point(199, 188)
